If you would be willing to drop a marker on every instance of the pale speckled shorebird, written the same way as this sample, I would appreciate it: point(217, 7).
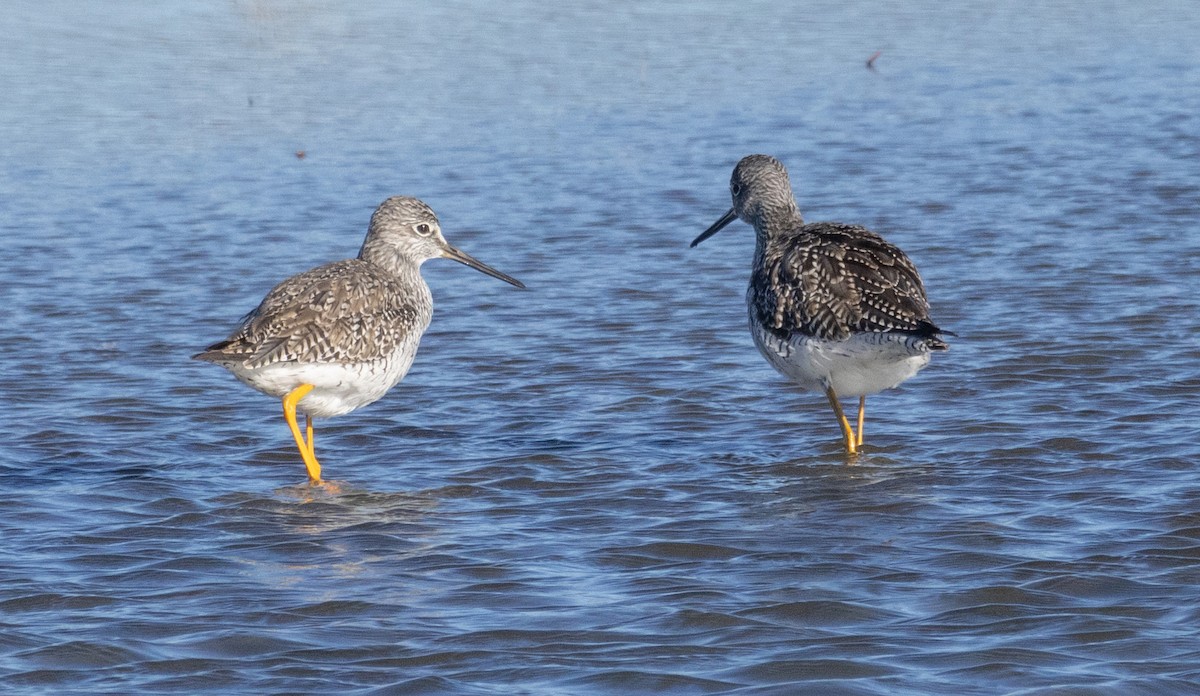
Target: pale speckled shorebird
point(338, 337)
point(833, 307)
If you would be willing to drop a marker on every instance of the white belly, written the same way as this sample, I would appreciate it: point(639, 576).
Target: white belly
point(337, 388)
point(861, 365)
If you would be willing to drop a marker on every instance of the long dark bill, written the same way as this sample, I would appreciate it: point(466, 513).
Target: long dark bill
point(716, 226)
point(468, 260)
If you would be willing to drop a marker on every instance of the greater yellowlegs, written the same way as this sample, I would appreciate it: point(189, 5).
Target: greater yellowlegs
point(833, 307)
point(338, 337)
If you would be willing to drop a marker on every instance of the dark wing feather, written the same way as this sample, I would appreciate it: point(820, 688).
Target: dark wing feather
point(347, 311)
point(831, 280)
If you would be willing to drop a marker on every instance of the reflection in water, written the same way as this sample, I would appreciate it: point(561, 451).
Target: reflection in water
point(312, 540)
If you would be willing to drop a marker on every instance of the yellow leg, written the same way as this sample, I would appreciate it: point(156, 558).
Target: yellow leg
point(862, 412)
point(848, 438)
point(306, 448)
point(312, 445)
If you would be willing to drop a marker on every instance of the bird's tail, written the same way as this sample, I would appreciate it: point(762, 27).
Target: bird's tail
point(932, 335)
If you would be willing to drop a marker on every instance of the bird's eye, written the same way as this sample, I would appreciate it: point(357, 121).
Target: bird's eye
point(424, 229)
point(735, 189)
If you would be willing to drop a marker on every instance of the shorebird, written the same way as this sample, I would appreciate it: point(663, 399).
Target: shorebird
point(338, 337)
point(833, 307)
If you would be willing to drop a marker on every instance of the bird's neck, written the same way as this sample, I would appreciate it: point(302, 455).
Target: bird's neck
point(390, 259)
point(772, 224)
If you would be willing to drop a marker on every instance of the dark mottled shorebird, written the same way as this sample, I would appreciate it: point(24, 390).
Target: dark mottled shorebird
point(833, 307)
point(338, 337)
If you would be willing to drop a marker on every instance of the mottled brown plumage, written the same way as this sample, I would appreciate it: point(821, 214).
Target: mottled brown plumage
point(348, 311)
point(833, 307)
point(832, 280)
point(339, 336)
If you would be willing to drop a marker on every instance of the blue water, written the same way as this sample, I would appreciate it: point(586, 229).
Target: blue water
point(597, 485)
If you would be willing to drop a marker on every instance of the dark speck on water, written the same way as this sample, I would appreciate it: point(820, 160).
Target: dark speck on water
point(598, 486)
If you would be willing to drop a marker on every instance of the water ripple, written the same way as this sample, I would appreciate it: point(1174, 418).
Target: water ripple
point(598, 486)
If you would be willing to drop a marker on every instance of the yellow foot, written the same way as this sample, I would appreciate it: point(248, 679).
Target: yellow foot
point(862, 412)
point(849, 440)
point(327, 486)
point(307, 452)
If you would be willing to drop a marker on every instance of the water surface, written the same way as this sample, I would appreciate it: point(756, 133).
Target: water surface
point(597, 485)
